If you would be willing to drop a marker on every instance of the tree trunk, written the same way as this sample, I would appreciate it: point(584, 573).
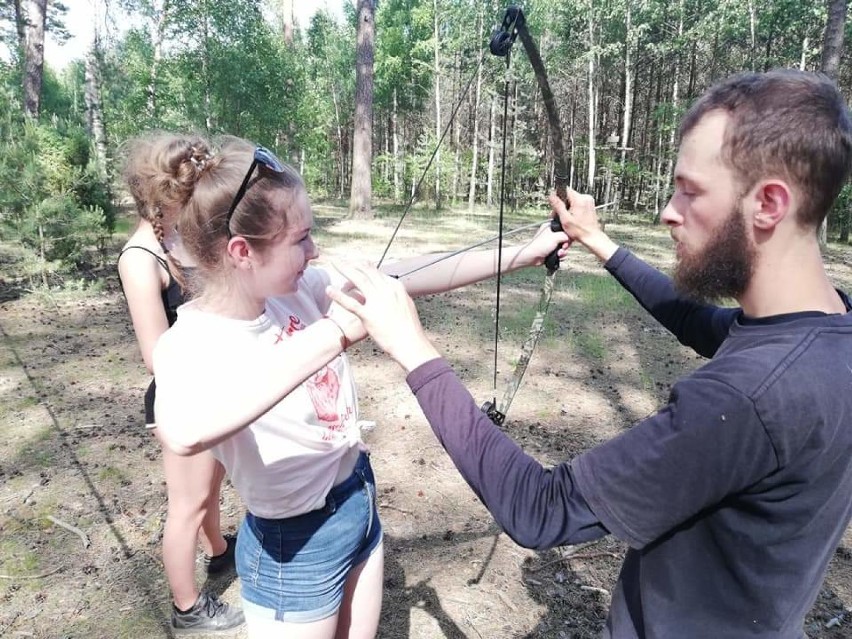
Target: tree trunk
point(20, 26)
point(675, 103)
point(592, 102)
point(362, 144)
point(387, 160)
point(437, 73)
point(471, 194)
point(658, 172)
point(341, 155)
point(287, 19)
point(832, 47)
point(94, 110)
point(767, 53)
point(397, 160)
point(832, 50)
point(513, 127)
point(492, 128)
point(752, 23)
point(628, 104)
point(205, 69)
point(454, 191)
point(573, 139)
point(34, 56)
point(158, 30)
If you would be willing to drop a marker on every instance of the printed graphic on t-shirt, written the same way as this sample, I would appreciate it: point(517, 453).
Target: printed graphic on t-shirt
point(324, 390)
point(294, 324)
point(323, 387)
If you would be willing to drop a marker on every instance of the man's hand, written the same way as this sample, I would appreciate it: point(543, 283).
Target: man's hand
point(387, 312)
point(580, 222)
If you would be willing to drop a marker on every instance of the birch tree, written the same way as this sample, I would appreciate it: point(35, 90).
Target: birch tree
point(437, 74)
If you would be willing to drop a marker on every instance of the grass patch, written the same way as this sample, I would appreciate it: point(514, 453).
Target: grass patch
point(37, 451)
point(16, 559)
point(590, 345)
point(113, 475)
point(124, 225)
point(600, 293)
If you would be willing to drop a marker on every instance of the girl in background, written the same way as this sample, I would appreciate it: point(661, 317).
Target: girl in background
point(153, 267)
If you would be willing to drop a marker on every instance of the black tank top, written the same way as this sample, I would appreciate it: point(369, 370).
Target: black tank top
point(172, 297)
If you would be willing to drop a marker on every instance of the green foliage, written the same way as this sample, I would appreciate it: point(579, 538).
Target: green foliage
point(62, 95)
point(52, 200)
point(840, 216)
point(403, 54)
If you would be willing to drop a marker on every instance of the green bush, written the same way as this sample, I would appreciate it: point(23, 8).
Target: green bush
point(52, 198)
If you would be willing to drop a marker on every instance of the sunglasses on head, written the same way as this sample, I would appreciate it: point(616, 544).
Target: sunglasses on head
point(264, 157)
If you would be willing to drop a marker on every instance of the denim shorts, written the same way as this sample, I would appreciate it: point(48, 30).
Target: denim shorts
point(294, 569)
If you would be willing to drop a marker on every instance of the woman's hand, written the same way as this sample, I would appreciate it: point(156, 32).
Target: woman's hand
point(543, 243)
point(387, 312)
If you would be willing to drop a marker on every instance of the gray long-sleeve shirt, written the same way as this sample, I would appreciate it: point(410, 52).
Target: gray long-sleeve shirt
point(732, 497)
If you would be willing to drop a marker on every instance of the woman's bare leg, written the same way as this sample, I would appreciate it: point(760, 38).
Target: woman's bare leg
point(191, 483)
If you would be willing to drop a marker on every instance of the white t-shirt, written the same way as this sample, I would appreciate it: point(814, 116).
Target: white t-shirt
point(285, 462)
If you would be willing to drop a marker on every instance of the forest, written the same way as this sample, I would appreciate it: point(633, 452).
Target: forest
point(385, 107)
point(360, 111)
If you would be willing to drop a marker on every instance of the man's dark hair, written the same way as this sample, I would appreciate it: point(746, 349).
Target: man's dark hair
point(789, 124)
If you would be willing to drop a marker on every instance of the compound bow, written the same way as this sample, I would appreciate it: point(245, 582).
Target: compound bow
point(502, 39)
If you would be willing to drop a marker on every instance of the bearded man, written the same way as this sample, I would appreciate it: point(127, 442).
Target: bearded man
point(735, 494)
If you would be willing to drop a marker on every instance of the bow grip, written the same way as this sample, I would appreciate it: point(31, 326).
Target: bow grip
point(551, 262)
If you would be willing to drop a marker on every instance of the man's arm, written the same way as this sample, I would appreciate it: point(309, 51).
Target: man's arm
point(702, 327)
point(536, 506)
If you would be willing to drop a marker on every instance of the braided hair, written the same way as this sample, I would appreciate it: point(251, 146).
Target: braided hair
point(161, 172)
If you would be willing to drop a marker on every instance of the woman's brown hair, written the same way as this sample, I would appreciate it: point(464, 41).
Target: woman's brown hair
point(161, 171)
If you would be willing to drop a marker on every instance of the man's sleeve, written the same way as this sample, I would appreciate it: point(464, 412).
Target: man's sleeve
point(537, 507)
point(701, 327)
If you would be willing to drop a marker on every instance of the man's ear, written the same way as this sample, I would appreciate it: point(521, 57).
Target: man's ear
point(240, 252)
point(771, 201)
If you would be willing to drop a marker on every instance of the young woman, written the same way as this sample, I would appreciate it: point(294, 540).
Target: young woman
point(254, 370)
point(153, 267)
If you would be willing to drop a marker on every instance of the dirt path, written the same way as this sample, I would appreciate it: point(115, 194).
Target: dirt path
point(82, 499)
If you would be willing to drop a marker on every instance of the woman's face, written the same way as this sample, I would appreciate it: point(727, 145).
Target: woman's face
point(285, 260)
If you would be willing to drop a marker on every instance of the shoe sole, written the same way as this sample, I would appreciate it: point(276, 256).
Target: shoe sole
point(189, 632)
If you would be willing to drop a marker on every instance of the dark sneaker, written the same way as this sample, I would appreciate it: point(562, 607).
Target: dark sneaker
point(223, 562)
point(207, 616)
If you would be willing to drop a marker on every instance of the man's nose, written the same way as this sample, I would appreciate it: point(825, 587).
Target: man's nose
point(670, 216)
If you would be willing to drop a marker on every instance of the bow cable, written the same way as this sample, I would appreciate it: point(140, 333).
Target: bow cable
point(429, 163)
point(514, 25)
point(502, 203)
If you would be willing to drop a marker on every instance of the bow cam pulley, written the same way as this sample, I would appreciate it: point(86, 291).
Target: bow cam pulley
point(503, 36)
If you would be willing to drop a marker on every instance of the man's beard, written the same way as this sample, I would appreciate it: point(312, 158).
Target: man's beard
point(721, 269)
